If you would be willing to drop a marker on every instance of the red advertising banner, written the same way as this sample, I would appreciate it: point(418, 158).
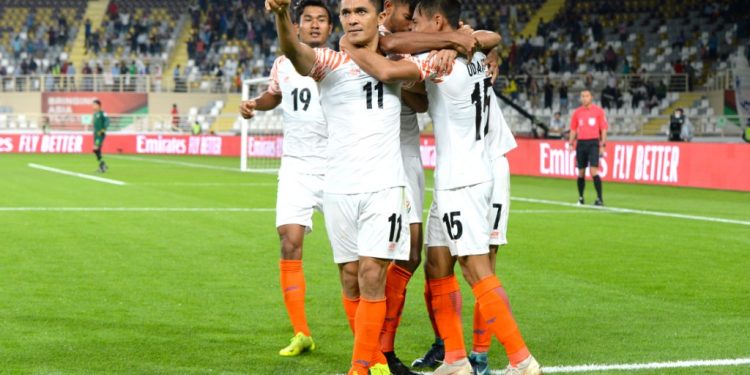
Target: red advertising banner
point(705, 165)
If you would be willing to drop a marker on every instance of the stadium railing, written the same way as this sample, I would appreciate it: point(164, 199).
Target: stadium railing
point(195, 83)
point(620, 125)
point(117, 83)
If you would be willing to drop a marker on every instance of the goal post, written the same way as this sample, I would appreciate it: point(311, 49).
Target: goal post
point(261, 137)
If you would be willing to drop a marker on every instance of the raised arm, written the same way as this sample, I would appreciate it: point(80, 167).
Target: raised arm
point(300, 54)
point(381, 68)
point(264, 102)
point(413, 43)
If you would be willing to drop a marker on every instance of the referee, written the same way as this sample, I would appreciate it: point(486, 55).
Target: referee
point(588, 125)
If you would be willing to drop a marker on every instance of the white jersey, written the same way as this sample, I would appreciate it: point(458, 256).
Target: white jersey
point(499, 139)
point(364, 153)
point(459, 109)
point(305, 130)
point(409, 132)
point(409, 124)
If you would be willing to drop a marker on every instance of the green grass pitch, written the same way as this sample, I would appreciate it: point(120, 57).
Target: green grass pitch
point(196, 292)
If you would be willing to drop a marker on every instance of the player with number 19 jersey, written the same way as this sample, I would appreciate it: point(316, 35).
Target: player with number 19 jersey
point(365, 203)
point(305, 128)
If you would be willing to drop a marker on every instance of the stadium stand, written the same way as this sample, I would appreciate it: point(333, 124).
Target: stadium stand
point(642, 59)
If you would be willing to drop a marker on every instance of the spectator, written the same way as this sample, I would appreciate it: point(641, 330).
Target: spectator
point(599, 60)
point(548, 93)
point(196, 130)
point(676, 123)
point(556, 126)
point(610, 59)
point(175, 118)
point(661, 90)
point(563, 96)
point(512, 89)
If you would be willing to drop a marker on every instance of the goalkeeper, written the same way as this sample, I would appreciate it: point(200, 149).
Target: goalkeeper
point(101, 123)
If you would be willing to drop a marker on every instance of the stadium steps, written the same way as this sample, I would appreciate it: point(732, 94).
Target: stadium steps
point(228, 115)
point(548, 11)
point(180, 55)
point(686, 100)
point(95, 11)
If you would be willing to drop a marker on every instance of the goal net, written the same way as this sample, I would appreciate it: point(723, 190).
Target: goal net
point(262, 135)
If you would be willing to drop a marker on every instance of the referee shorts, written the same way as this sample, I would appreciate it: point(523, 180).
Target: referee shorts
point(587, 153)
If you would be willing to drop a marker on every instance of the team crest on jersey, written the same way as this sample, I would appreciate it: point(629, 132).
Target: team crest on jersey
point(354, 71)
point(286, 79)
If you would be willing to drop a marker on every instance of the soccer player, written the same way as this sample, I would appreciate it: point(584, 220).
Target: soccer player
point(302, 171)
point(101, 123)
point(459, 106)
point(588, 126)
point(365, 201)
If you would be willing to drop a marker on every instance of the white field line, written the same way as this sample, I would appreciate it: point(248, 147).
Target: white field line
point(632, 211)
point(637, 366)
point(136, 209)
point(178, 163)
point(76, 174)
point(208, 209)
point(207, 184)
point(628, 211)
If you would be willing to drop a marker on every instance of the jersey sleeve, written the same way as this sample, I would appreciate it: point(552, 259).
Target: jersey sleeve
point(326, 61)
point(273, 87)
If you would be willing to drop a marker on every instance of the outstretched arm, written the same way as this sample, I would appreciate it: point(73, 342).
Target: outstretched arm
point(300, 54)
point(487, 40)
point(381, 68)
point(265, 102)
point(412, 43)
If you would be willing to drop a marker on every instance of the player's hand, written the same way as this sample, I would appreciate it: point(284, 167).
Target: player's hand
point(464, 28)
point(493, 64)
point(247, 109)
point(345, 44)
point(465, 44)
point(441, 62)
point(277, 6)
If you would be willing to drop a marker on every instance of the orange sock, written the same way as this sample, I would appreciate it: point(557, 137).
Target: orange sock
point(293, 287)
point(497, 316)
point(428, 303)
point(350, 308)
point(482, 333)
point(368, 323)
point(446, 305)
point(395, 294)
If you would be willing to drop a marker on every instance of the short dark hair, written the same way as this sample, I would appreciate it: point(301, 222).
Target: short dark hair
point(300, 8)
point(411, 3)
point(451, 9)
point(97, 102)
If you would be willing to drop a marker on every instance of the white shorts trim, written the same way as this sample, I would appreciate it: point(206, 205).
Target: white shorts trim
point(500, 202)
point(297, 196)
point(368, 224)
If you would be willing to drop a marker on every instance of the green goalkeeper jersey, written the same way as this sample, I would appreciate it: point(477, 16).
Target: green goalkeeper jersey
point(101, 123)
